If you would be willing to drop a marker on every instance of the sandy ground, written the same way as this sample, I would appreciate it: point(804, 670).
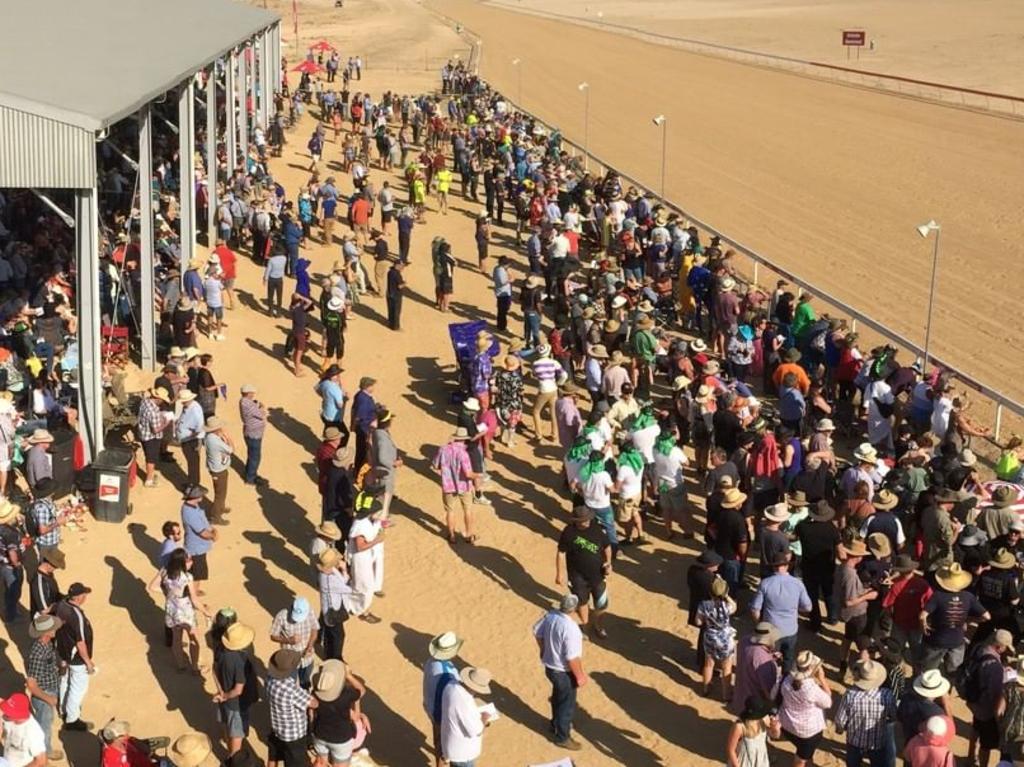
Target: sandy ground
point(828, 181)
point(934, 40)
point(643, 705)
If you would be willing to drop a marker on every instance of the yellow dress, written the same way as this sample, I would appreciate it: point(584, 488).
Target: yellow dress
point(684, 294)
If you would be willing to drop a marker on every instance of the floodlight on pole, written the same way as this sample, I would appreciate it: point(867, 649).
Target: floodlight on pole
point(924, 230)
point(661, 122)
point(584, 88)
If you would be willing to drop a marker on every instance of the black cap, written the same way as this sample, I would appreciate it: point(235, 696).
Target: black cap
point(77, 589)
point(709, 558)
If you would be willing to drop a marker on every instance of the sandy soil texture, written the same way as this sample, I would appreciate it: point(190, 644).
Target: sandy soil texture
point(937, 40)
point(643, 707)
point(828, 181)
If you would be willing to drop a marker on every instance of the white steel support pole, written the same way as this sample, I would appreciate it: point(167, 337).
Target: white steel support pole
point(243, 107)
point(147, 318)
point(90, 361)
point(931, 302)
point(187, 173)
point(229, 109)
point(211, 157)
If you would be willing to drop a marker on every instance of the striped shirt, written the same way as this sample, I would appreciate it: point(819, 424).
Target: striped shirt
point(546, 371)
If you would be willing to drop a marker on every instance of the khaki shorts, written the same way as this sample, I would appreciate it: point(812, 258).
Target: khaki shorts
point(449, 500)
point(673, 501)
point(625, 508)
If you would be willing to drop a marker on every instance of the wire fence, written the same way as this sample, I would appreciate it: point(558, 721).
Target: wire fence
point(761, 268)
point(950, 95)
point(424, 61)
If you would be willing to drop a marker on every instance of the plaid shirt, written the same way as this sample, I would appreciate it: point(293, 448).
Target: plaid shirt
point(45, 513)
point(151, 420)
point(299, 633)
point(865, 715)
point(288, 706)
point(41, 665)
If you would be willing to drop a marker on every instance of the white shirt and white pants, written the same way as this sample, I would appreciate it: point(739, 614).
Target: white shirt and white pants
point(367, 565)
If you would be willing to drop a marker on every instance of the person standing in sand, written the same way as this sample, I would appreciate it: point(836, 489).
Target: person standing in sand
point(366, 551)
point(560, 641)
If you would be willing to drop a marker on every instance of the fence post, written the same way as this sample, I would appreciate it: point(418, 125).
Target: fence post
point(853, 325)
point(999, 422)
point(755, 272)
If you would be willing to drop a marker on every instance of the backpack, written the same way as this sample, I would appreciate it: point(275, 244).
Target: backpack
point(968, 677)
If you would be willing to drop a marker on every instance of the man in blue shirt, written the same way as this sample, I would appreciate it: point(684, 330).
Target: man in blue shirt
point(364, 415)
point(791, 403)
point(199, 536)
point(779, 600)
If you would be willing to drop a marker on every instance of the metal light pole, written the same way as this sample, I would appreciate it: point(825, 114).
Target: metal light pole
point(660, 121)
point(924, 230)
point(585, 88)
point(519, 90)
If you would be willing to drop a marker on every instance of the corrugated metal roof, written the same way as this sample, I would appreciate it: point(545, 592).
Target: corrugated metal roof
point(89, 63)
point(39, 152)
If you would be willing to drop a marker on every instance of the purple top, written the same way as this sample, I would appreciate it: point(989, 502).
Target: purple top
point(480, 372)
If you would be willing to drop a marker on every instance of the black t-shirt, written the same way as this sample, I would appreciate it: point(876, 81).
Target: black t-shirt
point(727, 432)
point(730, 533)
point(395, 282)
point(380, 250)
point(299, 319)
point(333, 721)
point(204, 379)
point(947, 615)
point(180, 320)
point(76, 629)
point(818, 541)
point(44, 592)
point(774, 545)
point(234, 667)
point(813, 482)
point(996, 589)
point(714, 476)
point(584, 550)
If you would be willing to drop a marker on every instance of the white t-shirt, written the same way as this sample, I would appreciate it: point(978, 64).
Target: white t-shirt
point(366, 528)
point(631, 482)
point(462, 727)
point(23, 742)
point(644, 441)
point(668, 469)
point(879, 428)
point(940, 416)
point(596, 490)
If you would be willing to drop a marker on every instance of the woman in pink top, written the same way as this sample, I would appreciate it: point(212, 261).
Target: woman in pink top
point(930, 747)
point(805, 699)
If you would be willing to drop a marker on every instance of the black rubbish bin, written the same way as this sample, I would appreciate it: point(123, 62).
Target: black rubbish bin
point(111, 479)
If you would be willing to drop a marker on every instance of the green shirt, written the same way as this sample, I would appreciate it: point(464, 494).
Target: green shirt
point(803, 318)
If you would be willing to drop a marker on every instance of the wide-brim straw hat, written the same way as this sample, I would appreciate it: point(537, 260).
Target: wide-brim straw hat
point(283, 663)
point(330, 680)
point(186, 395)
point(766, 634)
point(39, 437)
point(328, 559)
point(238, 636)
point(476, 679)
point(885, 500)
point(598, 352)
point(160, 393)
point(341, 457)
point(644, 323)
point(931, 684)
point(445, 646)
point(8, 511)
point(952, 577)
point(868, 675)
point(512, 362)
point(879, 545)
point(855, 548)
point(698, 345)
point(733, 498)
point(797, 499)
point(777, 512)
point(1003, 560)
point(192, 750)
point(681, 382)
point(865, 453)
point(711, 367)
point(329, 530)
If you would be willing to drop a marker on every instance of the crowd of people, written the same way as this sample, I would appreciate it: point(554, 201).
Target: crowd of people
point(827, 490)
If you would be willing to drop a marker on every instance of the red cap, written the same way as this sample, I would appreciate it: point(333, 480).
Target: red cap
point(16, 708)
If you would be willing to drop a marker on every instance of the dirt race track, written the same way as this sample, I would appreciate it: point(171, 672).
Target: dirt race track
point(828, 181)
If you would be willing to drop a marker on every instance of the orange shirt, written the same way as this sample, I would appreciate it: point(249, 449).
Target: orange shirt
point(360, 211)
point(802, 381)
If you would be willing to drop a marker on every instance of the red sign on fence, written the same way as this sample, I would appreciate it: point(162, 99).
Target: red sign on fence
point(854, 37)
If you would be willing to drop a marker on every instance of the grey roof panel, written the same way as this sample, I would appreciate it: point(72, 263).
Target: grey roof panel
point(90, 63)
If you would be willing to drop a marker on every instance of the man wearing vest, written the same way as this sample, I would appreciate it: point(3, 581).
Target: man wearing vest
point(74, 648)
